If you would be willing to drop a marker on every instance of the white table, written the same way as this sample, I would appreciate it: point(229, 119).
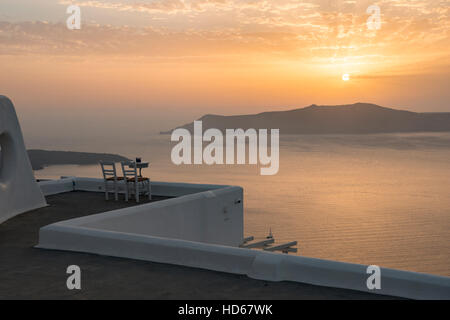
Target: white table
point(140, 166)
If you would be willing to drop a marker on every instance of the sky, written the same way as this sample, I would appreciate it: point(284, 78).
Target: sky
point(145, 66)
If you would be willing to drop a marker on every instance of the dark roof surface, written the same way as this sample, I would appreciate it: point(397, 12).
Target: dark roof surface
point(30, 273)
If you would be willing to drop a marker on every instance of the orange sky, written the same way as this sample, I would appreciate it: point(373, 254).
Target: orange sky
point(174, 60)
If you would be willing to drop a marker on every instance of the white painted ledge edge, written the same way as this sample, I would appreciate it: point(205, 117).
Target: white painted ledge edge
point(173, 189)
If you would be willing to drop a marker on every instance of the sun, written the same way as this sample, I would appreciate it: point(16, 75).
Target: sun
point(345, 77)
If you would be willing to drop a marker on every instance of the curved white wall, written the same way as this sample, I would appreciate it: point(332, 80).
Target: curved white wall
point(198, 212)
point(208, 217)
point(256, 264)
point(19, 191)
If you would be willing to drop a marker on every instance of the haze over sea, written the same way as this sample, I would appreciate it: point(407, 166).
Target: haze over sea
point(373, 199)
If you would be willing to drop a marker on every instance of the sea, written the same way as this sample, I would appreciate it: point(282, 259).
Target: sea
point(381, 199)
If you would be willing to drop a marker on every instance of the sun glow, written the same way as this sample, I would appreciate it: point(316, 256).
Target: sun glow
point(345, 77)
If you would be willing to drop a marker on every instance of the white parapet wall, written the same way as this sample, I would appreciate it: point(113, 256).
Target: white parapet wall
point(198, 212)
point(51, 187)
point(202, 228)
point(169, 189)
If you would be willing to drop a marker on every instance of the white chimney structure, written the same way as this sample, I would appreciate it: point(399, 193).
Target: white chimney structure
point(19, 191)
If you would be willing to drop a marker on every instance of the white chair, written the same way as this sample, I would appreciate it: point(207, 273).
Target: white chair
point(110, 175)
point(137, 183)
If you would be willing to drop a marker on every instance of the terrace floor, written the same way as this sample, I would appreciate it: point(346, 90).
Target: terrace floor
point(30, 273)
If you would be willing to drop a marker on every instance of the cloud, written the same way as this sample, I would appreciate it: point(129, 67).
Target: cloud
point(322, 31)
point(42, 38)
point(156, 6)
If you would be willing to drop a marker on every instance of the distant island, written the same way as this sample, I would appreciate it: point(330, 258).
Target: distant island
point(358, 118)
point(42, 158)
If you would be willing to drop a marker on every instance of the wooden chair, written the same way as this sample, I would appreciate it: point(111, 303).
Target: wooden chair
point(110, 175)
point(136, 182)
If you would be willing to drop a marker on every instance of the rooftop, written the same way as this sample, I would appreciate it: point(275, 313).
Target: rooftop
point(31, 273)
